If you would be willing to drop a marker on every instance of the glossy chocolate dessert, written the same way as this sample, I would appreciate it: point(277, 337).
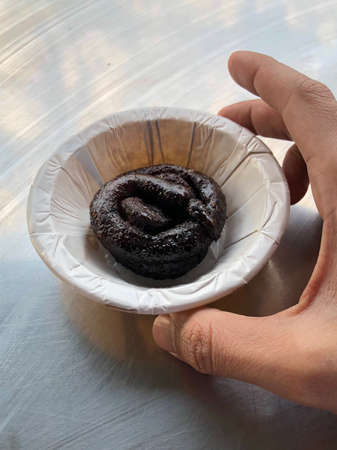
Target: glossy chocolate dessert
point(160, 220)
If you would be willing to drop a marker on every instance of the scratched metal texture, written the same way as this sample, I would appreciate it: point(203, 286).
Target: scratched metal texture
point(72, 374)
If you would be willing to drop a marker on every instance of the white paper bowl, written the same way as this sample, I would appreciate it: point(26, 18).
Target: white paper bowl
point(254, 185)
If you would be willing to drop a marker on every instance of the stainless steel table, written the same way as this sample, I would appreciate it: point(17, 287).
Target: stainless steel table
point(73, 374)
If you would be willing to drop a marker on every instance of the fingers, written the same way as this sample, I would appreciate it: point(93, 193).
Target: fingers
point(262, 75)
point(309, 113)
point(295, 170)
point(288, 353)
point(307, 107)
point(201, 339)
point(261, 119)
point(258, 117)
point(250, 349)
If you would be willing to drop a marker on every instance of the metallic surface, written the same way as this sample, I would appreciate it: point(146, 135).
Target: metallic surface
point(78, 376)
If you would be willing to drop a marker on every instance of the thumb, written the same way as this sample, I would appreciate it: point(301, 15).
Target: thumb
point(251, 349)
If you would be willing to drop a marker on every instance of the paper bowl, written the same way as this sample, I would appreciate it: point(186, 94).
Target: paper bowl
point(253, 183)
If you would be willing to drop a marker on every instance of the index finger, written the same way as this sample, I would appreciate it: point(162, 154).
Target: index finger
point(308, 108)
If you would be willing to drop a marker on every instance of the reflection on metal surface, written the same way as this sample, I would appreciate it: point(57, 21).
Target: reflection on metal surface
point(74, 374)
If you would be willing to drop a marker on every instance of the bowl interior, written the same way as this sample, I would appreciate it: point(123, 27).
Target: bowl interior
point(242, 165)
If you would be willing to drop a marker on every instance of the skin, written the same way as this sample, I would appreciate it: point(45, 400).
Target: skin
point(292, 353)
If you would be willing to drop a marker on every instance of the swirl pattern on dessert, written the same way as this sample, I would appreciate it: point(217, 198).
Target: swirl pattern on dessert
point(160, 220)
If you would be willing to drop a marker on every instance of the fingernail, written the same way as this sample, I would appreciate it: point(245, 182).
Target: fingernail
point(162, 333)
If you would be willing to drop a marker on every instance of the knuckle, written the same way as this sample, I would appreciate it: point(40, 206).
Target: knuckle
point(313, 91)
point(197, 339)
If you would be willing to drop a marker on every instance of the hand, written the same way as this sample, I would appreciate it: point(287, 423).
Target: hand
point(292, 353)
